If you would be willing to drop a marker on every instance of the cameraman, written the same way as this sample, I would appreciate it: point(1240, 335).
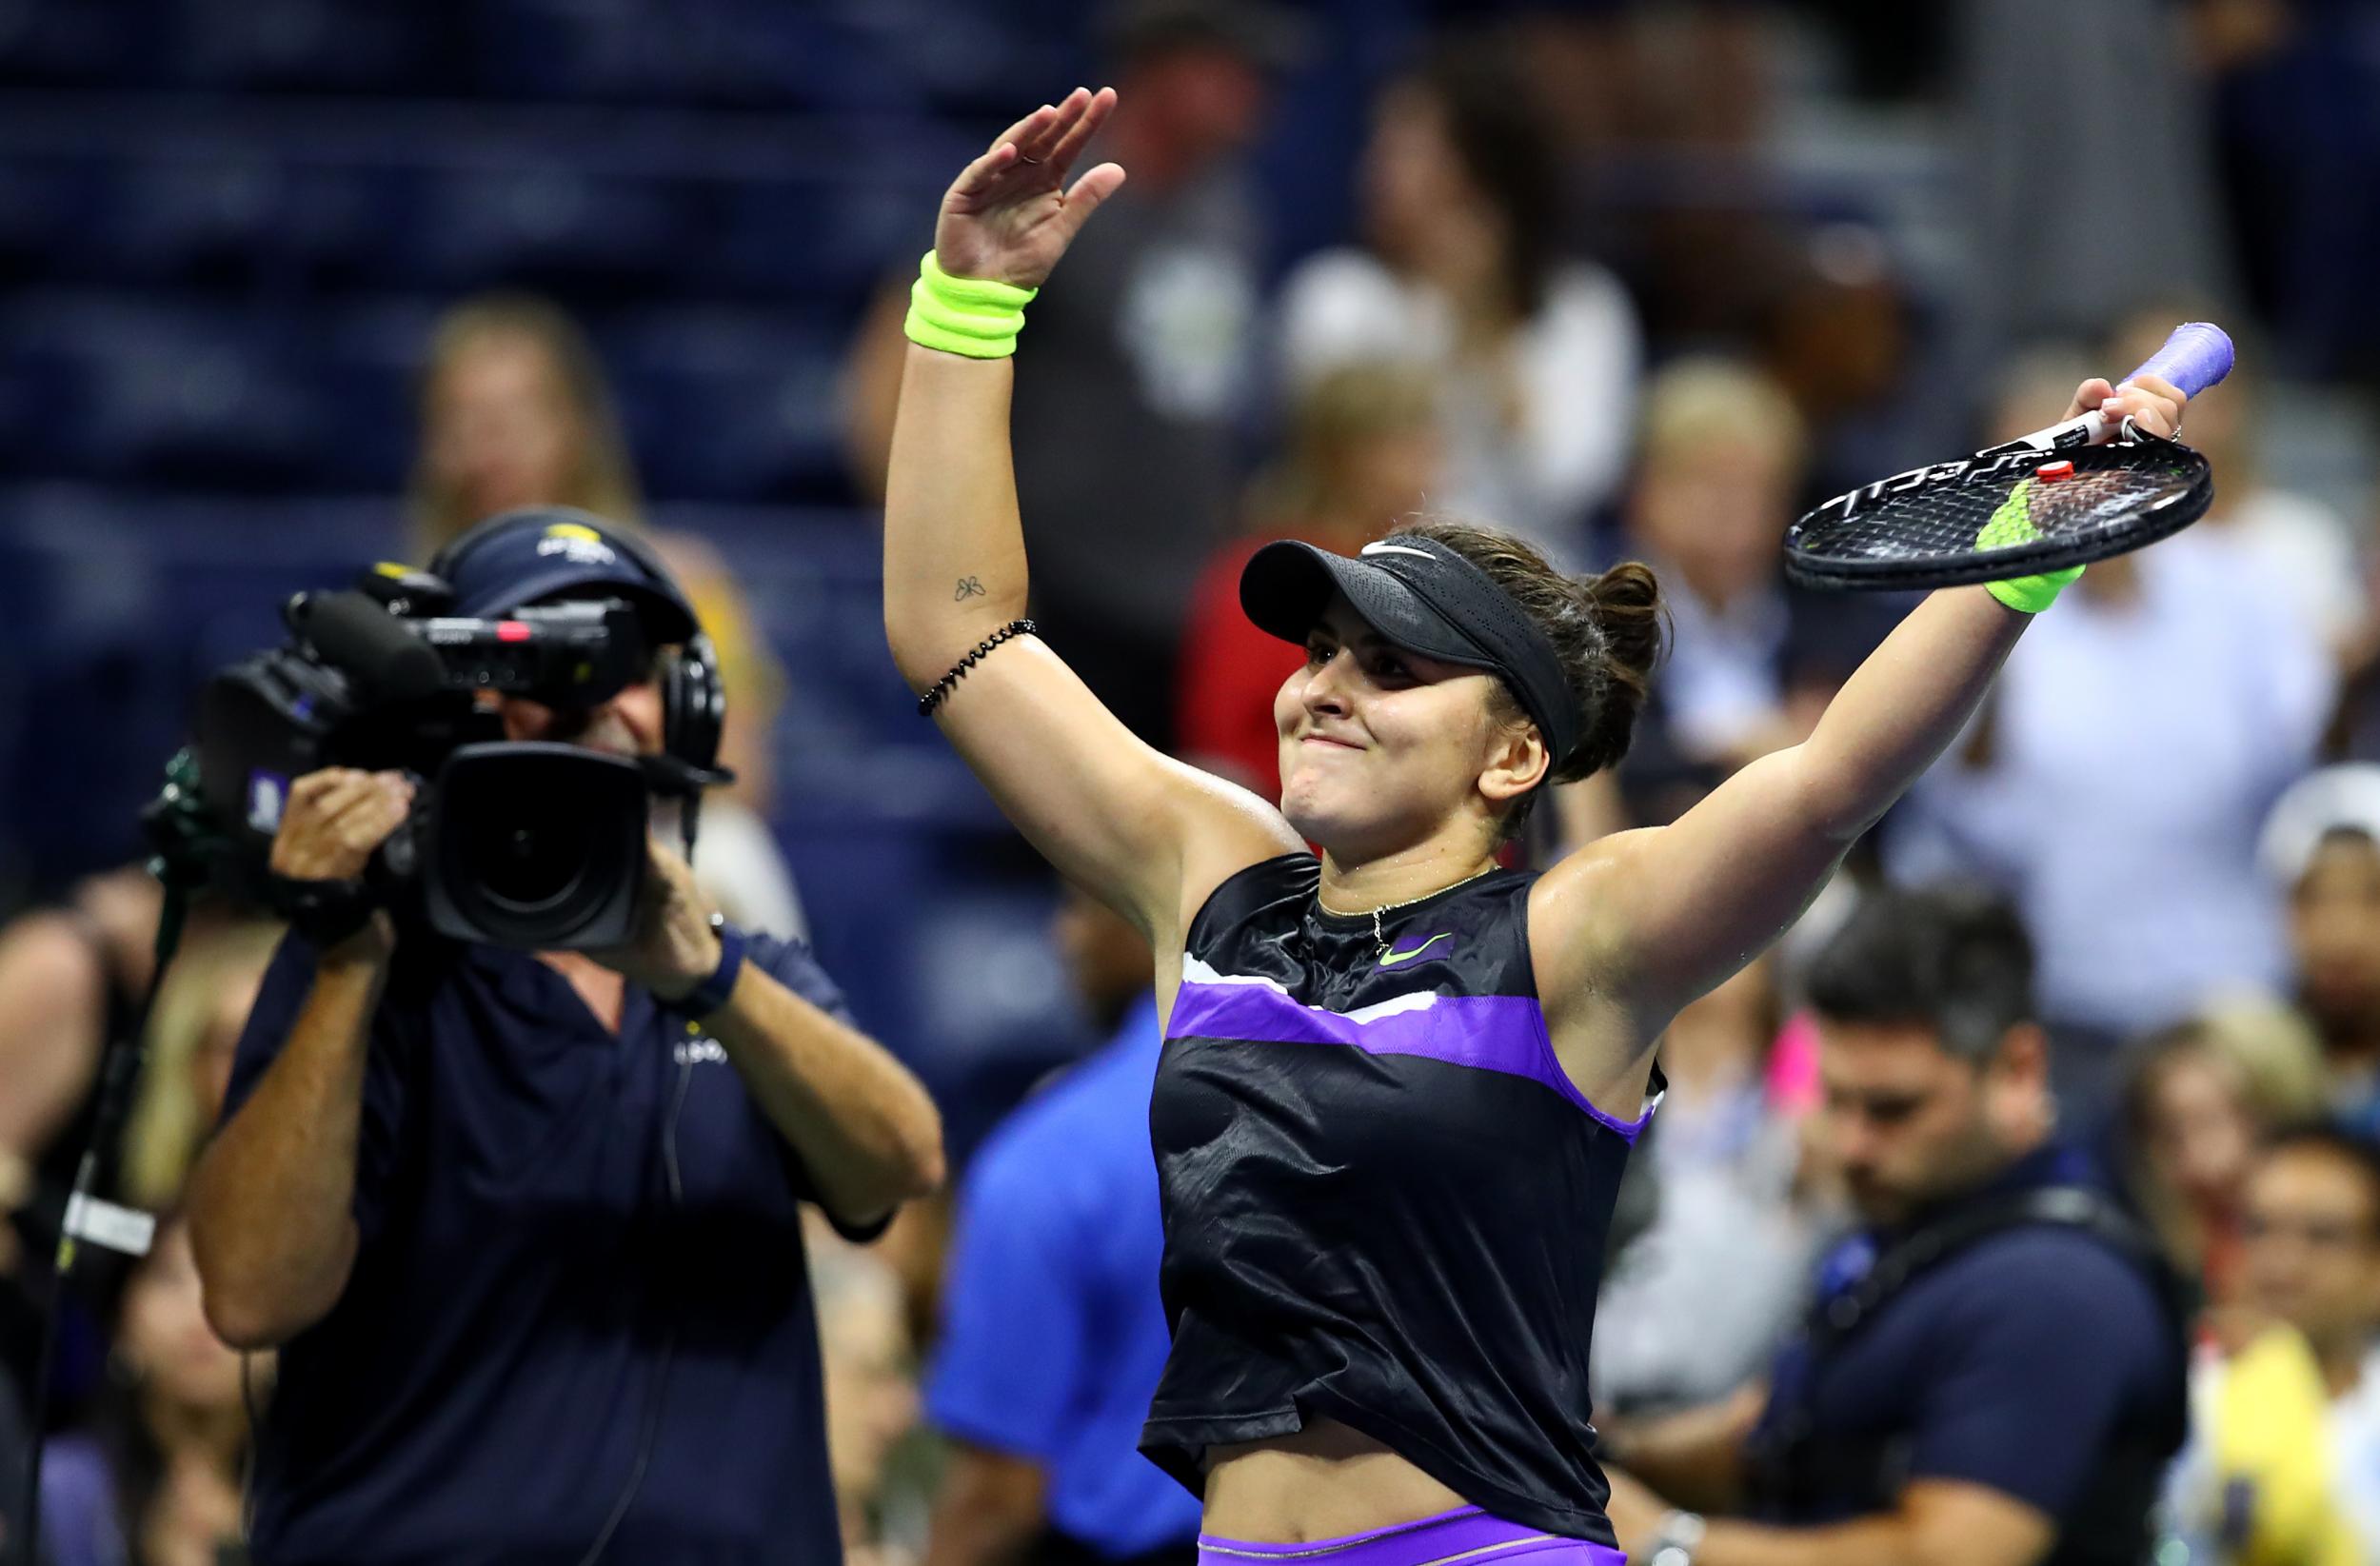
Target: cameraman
point(526, 1226)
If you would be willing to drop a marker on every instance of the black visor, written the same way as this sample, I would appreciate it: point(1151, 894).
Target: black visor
point(1427, 599)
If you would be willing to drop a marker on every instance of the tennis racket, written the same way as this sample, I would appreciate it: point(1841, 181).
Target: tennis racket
point(2073, 493)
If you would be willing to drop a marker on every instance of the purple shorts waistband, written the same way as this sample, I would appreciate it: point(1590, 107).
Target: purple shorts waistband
point(1467, 1532)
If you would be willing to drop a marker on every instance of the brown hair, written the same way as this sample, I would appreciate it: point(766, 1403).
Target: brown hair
point(1329, 424)
point(600, 477)
point(2274, 1065)
point(1500, 137)
point(1607, 630)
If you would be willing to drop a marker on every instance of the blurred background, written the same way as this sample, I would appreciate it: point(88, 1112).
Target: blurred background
point(290, 286)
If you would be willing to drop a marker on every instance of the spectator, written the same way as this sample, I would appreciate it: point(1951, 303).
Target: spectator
point(527, 1227)
point(870, 1369)
point(154, 1479)
point(2321, 847)
point(1053, 1334)
point(1992, 1371)
point(71, 977)
point(1695, 1305)
point(2195, 1101)
point(516, 412)
point(1536, 355)
point(193, 1034)
point(2284, 1460)
point(2156, 720)
point(1751, 662)
point(1837, 335)
point(1362, 449)
point(1142, 368)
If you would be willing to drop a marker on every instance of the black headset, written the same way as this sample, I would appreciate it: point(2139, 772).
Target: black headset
point(693, 698)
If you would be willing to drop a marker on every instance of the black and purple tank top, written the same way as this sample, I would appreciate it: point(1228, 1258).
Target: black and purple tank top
point(1384, 1201)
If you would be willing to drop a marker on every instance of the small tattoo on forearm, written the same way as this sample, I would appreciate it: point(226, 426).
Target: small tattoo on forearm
point(969, 586)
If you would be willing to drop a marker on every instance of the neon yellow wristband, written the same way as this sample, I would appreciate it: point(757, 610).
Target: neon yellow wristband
point(970, 315)
point(2032, 594)
point(2013, 523)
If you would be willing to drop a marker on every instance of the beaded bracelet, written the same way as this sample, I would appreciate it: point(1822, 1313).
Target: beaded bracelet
point(932, 699)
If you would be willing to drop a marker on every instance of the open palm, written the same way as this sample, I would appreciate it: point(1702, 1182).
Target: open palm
point(1009, 215)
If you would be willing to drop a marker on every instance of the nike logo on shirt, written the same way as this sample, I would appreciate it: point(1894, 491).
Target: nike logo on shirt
point(1390, 958)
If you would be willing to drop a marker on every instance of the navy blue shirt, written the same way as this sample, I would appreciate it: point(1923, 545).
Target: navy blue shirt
point(1052, 1330)
point(530, 1273)
point(2018, 1362)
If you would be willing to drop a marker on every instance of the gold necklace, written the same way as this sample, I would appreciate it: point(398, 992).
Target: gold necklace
point(1392, 908)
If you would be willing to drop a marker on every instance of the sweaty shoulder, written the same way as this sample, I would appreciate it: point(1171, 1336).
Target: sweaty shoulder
point(1568, 940)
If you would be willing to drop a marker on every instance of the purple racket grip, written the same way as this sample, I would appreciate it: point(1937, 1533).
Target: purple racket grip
point(2195, 357)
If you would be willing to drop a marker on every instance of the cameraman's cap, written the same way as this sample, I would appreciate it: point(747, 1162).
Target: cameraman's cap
point(1424, 597)
point(523, 557)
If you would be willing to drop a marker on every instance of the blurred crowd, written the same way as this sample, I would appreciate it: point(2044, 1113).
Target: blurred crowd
point(1569, 283)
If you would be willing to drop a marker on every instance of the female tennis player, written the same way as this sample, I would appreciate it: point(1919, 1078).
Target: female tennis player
point(1399, 1082)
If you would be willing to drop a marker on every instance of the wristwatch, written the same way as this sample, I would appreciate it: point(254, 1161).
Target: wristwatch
point(712, 993)
point(1677, 1539)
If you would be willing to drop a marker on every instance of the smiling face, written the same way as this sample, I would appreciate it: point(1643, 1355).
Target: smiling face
point(1382, 748)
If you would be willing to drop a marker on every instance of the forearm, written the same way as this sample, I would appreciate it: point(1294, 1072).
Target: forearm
point(987, 1513)
point(51, 1027)
point(1696, 1455)
point(1902, 707)
point(271, 1201)
point(864, 1127)
point(954, 548)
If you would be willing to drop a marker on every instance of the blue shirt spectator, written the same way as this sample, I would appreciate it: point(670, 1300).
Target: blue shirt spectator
point(581, 1289)
point(1053, 1334)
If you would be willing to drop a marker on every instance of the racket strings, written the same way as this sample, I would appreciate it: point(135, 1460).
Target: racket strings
point(1972, 521)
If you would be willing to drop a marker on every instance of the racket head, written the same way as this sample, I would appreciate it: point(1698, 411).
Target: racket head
point(2000, 514)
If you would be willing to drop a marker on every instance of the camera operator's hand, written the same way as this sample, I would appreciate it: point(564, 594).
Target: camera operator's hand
point(333, 820)
point(674, 948)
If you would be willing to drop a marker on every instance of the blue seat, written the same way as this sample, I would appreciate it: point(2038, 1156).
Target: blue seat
point(728, 404)
point(92, 43)
point(318, 45)
point(618, 49)
point(196, 399)
point(48, 209)
point(182, 220)
point(823, 240)
point(539, 218)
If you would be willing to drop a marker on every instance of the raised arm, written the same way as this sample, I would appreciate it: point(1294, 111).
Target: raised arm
point(1652, 918)
point(1141, 831)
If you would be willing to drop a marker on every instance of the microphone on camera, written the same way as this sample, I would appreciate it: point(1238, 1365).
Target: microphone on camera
point(354, 633)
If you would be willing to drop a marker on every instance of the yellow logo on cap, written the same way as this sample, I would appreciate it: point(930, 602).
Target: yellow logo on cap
point(574, 530)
